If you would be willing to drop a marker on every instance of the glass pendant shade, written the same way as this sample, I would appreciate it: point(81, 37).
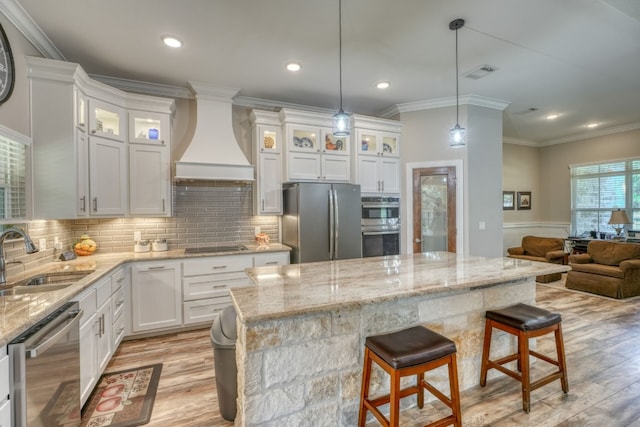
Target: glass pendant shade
point(457, 137)
point(341, 123)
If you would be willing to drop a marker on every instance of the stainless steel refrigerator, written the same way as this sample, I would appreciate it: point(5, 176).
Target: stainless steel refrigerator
point(321, 222)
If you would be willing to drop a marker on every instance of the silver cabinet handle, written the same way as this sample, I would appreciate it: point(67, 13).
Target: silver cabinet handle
point(93, 131)
point(382, 185)
point(158, 267)
point(102, 327)
point(83, 199)
point(219, 286)
point(163, 208)
point(216, 267)
point(95, 204)
point(262, 204)
point(271, 263)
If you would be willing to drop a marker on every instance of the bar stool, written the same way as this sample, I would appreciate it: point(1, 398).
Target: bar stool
point(412, 351)
point(524, 321)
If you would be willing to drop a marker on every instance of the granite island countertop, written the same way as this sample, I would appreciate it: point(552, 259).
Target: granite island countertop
point(19, 312)
point(296, 289)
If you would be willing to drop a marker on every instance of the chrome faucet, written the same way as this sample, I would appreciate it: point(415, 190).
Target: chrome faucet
point(29, 247)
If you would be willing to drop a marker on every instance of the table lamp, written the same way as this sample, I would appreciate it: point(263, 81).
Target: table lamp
point(618, 219)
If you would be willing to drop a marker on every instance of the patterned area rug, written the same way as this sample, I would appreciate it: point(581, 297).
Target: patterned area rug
point(123, 399)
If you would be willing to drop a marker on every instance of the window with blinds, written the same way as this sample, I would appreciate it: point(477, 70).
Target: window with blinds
point(14, 176)
point(598, 189)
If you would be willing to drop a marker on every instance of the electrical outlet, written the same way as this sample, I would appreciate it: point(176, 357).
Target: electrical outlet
point(57, 244)
point(482, 225)
point(42, 244)
point(256, 231)
point(137, 236)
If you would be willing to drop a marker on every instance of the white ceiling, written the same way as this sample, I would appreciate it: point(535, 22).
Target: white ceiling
point(578, 58)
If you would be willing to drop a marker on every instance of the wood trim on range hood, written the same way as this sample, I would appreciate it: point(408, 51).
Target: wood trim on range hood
point(213, 153)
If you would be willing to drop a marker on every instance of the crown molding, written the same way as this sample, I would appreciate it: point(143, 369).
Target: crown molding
point(267, 104)
point(147, 88)
point(592, 134)
point(19, 17)
point(518, 141)
point(476, 100)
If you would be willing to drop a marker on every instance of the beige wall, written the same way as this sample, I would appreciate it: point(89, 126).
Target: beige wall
point(521, 172)
point(555, 160)
point(14, 113)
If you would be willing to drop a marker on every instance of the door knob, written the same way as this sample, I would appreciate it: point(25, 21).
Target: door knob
point(418, 240)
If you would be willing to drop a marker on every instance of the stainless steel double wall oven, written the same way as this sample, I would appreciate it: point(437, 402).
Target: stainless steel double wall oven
point(380, 225)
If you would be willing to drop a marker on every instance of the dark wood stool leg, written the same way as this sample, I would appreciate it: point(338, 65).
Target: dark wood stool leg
point(394, 404)
point(364, 391)
point(419, 380)
point(455, 391)
point(486, 348)
point(562, 362)
point(523, 350)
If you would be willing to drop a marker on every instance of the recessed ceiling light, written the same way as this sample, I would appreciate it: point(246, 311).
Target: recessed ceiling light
point(294, 66)
point(383, 85)
point(592, 125)
point(172, 41)
point(551, 116)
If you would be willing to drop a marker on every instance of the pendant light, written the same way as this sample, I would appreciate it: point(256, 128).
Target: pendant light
point(457, 135)
point(341, 120)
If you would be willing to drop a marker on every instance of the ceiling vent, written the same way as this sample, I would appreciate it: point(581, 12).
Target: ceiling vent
point(479, 72)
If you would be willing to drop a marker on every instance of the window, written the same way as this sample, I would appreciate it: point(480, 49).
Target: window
point(598, 189)
point(14, 176)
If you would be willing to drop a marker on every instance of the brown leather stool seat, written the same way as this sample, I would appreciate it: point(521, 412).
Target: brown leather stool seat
point(524, 321)
point(412, 351)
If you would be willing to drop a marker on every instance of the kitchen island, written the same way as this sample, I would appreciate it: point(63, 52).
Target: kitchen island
point(302, 327)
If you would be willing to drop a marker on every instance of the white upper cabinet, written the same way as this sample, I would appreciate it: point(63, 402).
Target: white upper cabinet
point(80, 149)
point(376, 164)
point(266, 136)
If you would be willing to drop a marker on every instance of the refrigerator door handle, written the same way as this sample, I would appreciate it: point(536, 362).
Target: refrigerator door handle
point(331, 224)
point(337, 225)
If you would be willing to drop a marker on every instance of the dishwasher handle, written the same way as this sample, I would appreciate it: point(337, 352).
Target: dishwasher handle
point(73, 318)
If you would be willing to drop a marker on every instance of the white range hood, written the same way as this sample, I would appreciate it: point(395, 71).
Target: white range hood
point(213, 153)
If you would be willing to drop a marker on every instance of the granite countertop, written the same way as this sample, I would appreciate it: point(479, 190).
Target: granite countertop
point(19, 312)
point(296, 289)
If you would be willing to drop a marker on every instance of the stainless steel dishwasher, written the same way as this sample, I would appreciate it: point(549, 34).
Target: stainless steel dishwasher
point(45, 371)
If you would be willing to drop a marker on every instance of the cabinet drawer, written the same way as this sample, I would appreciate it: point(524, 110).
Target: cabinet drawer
point(274, 258)
point(117, 303)
point(103, 291)
point(221, 264)
point(88, 304)
point(212, 285)
point(4, 376)
point(5, 413)
point(118, 331)
point(204, 310)
point(117, 279)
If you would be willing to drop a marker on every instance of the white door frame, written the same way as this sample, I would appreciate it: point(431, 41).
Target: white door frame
point(408, 201)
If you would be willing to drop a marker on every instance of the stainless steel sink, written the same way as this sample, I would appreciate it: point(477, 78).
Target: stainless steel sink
point(45, 282)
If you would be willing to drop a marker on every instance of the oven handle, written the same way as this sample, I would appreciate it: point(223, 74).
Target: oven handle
point(73, 318)
point(377, 233)
point(381, 205)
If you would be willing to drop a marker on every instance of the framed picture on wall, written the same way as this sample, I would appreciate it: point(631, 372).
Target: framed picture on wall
point(508, 200)
point(524, 200)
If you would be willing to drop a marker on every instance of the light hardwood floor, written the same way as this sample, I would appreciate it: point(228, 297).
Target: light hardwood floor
point(602, 341)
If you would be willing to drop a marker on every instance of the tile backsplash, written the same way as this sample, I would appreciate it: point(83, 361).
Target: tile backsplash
point(204, 214)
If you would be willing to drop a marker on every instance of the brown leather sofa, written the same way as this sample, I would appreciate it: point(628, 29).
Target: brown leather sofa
point(608, 268)
point(543, 249)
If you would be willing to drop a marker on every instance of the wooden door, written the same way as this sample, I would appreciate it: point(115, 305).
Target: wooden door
point(434, 209)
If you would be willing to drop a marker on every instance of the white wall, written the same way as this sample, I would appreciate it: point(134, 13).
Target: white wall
point(14, 113)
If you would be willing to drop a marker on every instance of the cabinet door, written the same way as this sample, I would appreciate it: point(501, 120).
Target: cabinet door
point(337, 145)
point(390, 175)
point(304, 166)
point(80, 110)
point(88, 355)
point(367, 142)
point(156, 296)
point(107, 176)
point(390, 144)
point(303, 138)
point(269, 184)
point(149, 177)
point(82, 173)
point(106, 120)
point(335, 168)
point(268, 139)
point(272, 258)
point(104, 341)
point(368, 176)
point(149, 128)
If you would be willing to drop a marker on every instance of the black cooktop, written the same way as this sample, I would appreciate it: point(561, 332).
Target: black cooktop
point(214, 249)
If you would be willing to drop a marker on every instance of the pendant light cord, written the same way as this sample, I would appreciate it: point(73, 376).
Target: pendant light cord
point(457, 96)
point(340, 47)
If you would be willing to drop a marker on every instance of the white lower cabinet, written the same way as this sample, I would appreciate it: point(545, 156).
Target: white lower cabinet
point(206, 283)
point(120, 289)
point(5, 406)
point(271, 258)
point(156, 295)
point(95, 334)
